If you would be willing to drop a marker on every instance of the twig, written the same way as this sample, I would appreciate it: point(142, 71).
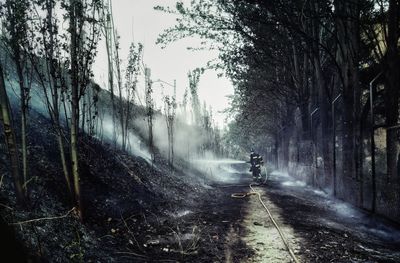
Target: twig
point(131, 253)
point(178, 238)
point(195, 240)
point(130, 172)
point(106, 236)
point(145, 219)
point(6, 206)
point(43, 218)
point(131, 233)
point(1, 180)
point(27, 182)
point(128, 218)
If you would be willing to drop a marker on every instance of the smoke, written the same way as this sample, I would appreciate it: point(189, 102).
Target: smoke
point(341, 215)
point(295, 183)
point(135, 145)
point(36, 101)
point(219, 161)
point(225, 171)
point(188, 139)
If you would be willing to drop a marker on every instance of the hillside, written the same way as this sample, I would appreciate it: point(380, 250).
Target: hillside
point(128, 203)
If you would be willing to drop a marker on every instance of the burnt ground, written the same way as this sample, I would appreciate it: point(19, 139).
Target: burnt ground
point(134, 211)
point(139, 212)
point(331, 230)
point(318, 227)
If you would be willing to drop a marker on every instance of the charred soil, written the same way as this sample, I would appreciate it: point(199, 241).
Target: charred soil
point(133, 210)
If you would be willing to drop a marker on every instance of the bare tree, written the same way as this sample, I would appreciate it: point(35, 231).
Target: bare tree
point(131, 80)
point(108, 30)
point(194, 78)
point(149, 110)
point(170, 106)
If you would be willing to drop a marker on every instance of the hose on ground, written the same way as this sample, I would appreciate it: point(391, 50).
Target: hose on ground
point(254, 192)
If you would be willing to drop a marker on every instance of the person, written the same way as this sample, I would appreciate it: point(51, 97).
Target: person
point(252, 158)
point(256, 161)
point(260, 160)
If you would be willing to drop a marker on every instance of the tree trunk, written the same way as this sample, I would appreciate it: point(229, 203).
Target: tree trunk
point(150, 112)
point(16, 15)
point(171, 138)
point(74, 107)
point(59, 129)
point(300, 83)
point(55, 95)
point(121, 104)
point(347, 24)
point(305, 120)
point(287, 131)
point(24, 109)
point(6, 120)
point(324, 118)
point(108, 36)
point(276, 151)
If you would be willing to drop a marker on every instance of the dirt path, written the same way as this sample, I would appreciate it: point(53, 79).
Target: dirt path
point(318, 228)
point(263, 237)
point(256, 232)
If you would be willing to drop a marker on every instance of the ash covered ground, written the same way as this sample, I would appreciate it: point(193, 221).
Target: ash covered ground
point(139, 212)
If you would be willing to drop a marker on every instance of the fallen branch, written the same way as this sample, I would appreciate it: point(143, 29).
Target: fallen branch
point(130, 172)
point(132, 254)
point(6, 206)
point(27, 182)
point(131, 233)
point(43, 218)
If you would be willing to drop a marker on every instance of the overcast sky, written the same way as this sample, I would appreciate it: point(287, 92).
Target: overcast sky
point(137, 20)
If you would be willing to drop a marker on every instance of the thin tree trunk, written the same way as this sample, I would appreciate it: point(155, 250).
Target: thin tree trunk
point(324, 117)
point(108, 36)
point(127, 116)
point(121, 105)
point(83, 110)
point(6, 120)
point(287, 131)
point(55, 96)
point(172, 145)
point(53, 109)
point(74, 107)
point(24, 109)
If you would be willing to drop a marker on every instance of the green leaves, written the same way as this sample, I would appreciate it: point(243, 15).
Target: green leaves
point(180, 8)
